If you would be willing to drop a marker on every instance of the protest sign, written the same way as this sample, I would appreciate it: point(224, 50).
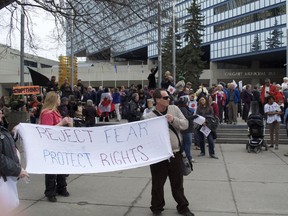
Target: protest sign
point(25, 90)
point(64, 150)
point(205, 130)
point(171, 89)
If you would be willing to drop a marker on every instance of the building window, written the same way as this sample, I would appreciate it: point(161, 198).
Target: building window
point(30, 63)
point(231, 5)
point(45, 66)
point(251, 18)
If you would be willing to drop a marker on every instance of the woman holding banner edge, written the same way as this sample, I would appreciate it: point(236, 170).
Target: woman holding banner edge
point(51, 116)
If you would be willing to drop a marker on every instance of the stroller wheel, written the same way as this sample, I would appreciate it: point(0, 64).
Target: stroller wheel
point(257, 149)
point(248, 149)
point(265, 144)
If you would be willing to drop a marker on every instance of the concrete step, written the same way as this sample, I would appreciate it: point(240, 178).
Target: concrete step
point(238, 134)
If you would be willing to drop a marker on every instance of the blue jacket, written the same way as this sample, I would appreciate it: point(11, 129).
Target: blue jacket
point(236, 96)
point(116, 98)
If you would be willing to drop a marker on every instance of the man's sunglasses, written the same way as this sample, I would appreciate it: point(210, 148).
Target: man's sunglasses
point(166, 98)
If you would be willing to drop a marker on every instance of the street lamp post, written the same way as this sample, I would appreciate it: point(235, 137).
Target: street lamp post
point(92, 65)
point(22, 46)
point(174, 43)
point(286, 38)
point(159, 45)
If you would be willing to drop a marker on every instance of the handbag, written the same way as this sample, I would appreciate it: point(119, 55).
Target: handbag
point(187, 166)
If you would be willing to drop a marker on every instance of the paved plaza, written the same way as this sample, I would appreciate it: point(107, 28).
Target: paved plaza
point(238, 184)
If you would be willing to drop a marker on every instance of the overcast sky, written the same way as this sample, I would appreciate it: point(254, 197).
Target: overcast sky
point(43, 27)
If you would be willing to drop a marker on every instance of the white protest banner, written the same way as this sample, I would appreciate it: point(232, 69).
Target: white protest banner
point(64, 150)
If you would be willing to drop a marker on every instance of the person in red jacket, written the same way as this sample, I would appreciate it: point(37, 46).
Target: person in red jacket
point(267, 90)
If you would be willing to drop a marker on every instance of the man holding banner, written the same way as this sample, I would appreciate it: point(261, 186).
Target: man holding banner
point(172, 167)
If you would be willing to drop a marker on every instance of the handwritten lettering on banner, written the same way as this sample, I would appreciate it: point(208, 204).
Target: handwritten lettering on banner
point(64, 150)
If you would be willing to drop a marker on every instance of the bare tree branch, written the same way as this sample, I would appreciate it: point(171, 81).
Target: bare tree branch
point(94, 21)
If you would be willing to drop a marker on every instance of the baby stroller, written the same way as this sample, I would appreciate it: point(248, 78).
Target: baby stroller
point(256, 134)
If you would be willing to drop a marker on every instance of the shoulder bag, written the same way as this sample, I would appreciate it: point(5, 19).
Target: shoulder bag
point(187, 166)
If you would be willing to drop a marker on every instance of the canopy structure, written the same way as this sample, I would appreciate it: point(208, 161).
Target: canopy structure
point(4, 3)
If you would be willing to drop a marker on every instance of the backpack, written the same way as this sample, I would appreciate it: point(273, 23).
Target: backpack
point(212, 122)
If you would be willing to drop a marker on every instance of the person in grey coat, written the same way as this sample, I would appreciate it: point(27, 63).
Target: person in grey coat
point(171, 168)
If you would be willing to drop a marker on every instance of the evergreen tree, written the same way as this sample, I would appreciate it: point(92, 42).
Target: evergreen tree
point(275, 38)
point(192, 65)
point(256, 45)
point(167, 49)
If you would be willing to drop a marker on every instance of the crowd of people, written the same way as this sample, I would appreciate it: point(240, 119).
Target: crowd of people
point(219, 104)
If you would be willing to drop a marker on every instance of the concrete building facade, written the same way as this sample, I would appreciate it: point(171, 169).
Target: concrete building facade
point(10, 68)
point(94, 73)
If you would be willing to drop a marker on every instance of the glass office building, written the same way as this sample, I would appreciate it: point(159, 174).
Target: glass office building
point(239, 38)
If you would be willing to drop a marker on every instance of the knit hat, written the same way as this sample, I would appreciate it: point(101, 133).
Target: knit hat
point(182, 100)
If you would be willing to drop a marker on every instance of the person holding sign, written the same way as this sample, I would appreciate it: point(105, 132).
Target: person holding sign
point(171, 168)
point(51, 116)
point(204, 109)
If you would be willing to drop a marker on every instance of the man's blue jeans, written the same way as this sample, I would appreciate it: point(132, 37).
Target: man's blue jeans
point(186, 144)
